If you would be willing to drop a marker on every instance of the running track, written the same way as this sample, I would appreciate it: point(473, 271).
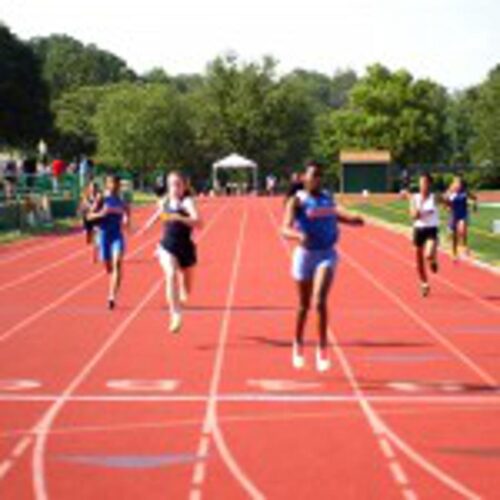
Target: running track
point(109, 405)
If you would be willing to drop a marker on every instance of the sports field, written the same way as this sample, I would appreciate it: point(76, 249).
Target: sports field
point(99, 404)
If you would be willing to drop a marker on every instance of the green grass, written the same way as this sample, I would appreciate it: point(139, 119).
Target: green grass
point(483, 242)
point(143, 198)
point(59, 226)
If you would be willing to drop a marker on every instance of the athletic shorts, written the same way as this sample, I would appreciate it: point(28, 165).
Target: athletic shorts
point(89, 225)
point(306, 262)
point(185, 255)
point(454, 221)
point(421, 235)
point(110, 246)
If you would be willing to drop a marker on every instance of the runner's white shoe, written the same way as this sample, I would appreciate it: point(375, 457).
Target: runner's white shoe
point(175, 322)
point(323, 363)
point(298, 360)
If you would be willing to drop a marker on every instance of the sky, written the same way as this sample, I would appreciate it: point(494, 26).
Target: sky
point(455, 42)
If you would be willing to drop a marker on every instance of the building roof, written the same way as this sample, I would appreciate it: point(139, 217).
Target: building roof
point(375, 156)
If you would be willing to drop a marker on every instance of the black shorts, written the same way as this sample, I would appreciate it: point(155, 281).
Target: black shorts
point(421, 235)
point(185, 254)
point(89, 225)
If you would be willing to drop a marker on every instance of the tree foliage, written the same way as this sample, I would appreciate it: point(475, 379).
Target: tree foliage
point(24, 105)
point(141, 126)
point(69, 64)
point(390, 110)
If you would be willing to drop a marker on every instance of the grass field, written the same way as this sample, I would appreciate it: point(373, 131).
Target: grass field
point(483, 242)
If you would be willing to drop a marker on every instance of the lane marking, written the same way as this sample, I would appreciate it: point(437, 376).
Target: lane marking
point(19, 385)
point(5, 467)
point(21, 446)
point(450, 284)
point(144, 385)
point(273, 385)
point(210, 424)
point(417, 318)
point(42, 270)
point(257, 398)
point(386, 448)
point(398, 473)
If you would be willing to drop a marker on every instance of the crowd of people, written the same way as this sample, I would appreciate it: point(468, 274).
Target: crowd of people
point(30, 168)
point(311, 221)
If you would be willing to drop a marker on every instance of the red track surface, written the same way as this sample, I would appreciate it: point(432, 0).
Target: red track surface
point(410, 408)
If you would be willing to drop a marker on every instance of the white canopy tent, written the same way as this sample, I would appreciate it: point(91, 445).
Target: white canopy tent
point(235, 162)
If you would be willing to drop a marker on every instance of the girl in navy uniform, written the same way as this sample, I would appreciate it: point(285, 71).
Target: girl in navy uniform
point(311, 220)
point(458, 198)
point(111, 217)
point(91, 202)
point(177, 251)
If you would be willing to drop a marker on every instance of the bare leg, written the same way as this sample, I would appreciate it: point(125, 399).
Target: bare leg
point(116, 276)
point(454, 240)
point(431, 255)
point(421, 265)
point(185, 277)
point(305, 290)
point(322, 284)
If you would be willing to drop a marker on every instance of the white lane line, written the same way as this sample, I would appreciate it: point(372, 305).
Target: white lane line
point(398, 473)
point(210, 424)
point(21, 446)
point(417, 318)
point(409, 494)
point(36, 249)
point(438, 277)
point(5, 467)
point(42, 270)
point(258, 398)
point(7, 334)
point(41, 428)
point(386, 448)
point(377, 424)
point(195, 494)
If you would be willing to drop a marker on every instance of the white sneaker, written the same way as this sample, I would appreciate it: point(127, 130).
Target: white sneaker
point(323, 363)
point(175, 322)
point(298, 360)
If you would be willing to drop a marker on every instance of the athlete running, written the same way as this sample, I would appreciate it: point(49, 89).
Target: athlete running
point(177, 251)
point(91, 202)
point(112, 216)
point(424, 211)
point(311, 220)
point(457, 199)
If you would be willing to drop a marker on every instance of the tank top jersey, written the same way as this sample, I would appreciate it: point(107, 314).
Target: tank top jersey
point(316, 218)
point(176, 235)
point(429, 211)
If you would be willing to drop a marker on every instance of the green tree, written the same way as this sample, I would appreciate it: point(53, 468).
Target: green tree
point(24, 105)
point(486, 121)
point(69, 64)
point(245, 108)
point(74, 115)
point(143, 126)
point(390, 110)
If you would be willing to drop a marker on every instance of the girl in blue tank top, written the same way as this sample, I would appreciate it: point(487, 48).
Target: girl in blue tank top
point(458, 198)
point(311, 220)
point(111, 218)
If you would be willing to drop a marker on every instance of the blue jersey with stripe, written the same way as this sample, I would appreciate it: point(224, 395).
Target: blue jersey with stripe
point(316, 218)
point(459, 205)
point(111, 223)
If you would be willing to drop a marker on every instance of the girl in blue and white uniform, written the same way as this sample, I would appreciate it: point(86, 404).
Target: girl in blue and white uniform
point(111, 217)
point(311, 219)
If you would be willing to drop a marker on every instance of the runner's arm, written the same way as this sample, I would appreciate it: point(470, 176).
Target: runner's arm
point(287, 229)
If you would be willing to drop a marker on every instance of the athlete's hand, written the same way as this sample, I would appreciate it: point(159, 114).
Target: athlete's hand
point(358, 221)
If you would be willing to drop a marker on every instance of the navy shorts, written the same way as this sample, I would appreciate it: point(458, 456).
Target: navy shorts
point(109, 247)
